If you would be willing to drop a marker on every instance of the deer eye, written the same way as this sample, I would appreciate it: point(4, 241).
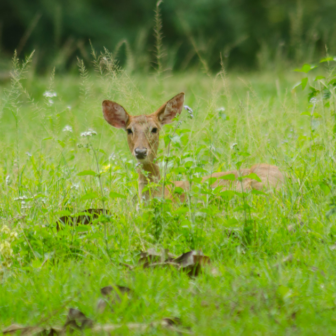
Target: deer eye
point(154, 130)
point(129, 131)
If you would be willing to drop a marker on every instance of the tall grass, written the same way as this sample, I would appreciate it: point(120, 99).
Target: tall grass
point(273, 252)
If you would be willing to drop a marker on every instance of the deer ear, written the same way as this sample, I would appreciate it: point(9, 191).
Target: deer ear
point(168, 111)
point(115, 114)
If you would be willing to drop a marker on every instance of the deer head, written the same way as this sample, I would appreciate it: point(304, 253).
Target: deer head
point(143, 130)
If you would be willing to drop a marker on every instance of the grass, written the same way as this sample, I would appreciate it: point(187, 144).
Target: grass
point(273, 252)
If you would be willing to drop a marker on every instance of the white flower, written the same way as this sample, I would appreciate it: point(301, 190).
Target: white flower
point(20, 198)
point(30, 155)
point(189, 110)
point(221, 109)
point(8, 180)
point(49, 94)
point(233, 145)
point(112, 157)
point(50, 102)
point(67, 128)
point(69, 107)
point(24, 205)
point(313, 100)
point(88, 133)
point(75, 186)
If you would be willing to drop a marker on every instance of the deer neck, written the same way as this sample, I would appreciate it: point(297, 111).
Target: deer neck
point(148, 173)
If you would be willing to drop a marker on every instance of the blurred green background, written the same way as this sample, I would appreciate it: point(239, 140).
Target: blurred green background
point(249, 34)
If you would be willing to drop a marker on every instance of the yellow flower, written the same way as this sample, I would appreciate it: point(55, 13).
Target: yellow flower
point(106, 168)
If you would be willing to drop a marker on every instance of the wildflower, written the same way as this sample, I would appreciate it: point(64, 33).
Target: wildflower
point(8, 180)
point(49, 94)
point(30, 155)
point(234, 145)
point(189, 110)
point(313, 100)
point(69, 107)
point(106, 168)
point(112, 157)
point(88, 133)
point(24, 205)
point(20, 198)
point(50, 102)
point(221, 109)
point(75, 186)
point(67, 128)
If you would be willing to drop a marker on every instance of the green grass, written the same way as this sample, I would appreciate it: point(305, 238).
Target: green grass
point(275, 268)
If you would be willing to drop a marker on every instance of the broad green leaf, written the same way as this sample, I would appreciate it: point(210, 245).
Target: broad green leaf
point(196, 179)
point(319, 78)
point(304, 82)
point(306, 113)
point(332, 82)
point(230, 177)
point(228, 194)
point(327, 59)
point(82, 228)
point(313, 93)
point(90, 195)
point(62, 144)
point(63, 213)
point(87, 172)
point(252, 176)
point(306, 68)
point(36, 263)
point(116, 195)
point(178, 190)
point(296, 85)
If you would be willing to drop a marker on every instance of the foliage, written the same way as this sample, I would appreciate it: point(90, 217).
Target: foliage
point(272, 251)
point(242, 34)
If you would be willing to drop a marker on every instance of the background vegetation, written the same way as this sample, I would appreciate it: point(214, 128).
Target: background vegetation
point(248, 34)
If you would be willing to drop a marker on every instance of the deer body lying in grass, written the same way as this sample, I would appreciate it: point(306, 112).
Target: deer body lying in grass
point(143, 140)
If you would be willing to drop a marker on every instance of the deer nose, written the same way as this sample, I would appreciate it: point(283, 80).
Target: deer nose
point(140, 153)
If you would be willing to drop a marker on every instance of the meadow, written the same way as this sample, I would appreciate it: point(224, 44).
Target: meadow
point(272, 253)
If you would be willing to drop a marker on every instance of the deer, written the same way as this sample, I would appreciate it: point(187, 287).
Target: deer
point(143, 140)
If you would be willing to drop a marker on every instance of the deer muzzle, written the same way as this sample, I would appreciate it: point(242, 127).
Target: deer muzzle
point(140, 153)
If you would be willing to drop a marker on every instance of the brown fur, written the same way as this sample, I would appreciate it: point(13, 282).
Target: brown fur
point(142, 134)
